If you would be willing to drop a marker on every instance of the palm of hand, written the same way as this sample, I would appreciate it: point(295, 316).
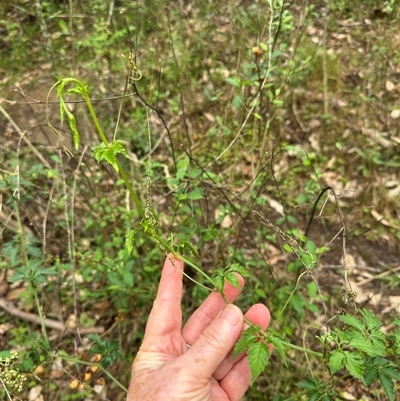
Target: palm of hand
point(165, 368)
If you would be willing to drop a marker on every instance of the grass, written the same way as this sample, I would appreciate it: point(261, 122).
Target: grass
point(265, 105)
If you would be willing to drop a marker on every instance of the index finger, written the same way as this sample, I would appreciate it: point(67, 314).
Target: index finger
point(208, 311)
point(166, 315)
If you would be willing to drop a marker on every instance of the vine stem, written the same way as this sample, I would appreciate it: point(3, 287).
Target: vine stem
point(153, 233)
point(290, 345)
point(301, 349)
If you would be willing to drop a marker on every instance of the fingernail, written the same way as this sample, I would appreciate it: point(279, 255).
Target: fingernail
point(231, 314)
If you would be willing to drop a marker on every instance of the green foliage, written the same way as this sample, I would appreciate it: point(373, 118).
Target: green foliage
point(261, 107)
point(362, 349)
point(109, 153)
point(257, 350)
point(229, 274)
point(34, 274)
point(317, 390)
point(109, 350)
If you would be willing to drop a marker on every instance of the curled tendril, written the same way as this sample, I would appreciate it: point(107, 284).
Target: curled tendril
point(133, 69)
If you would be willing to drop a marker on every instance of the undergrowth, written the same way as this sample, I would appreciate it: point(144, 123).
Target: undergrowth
point(259, 139)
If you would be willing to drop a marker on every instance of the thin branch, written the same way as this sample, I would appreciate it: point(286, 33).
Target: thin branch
point(24, 138)
point(49, 323)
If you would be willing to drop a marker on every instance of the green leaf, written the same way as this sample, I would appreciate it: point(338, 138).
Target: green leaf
point(228, 274)
point(237, 101)
point(233, 81)
point(129, 240)
point(371, 374)
point(128, 278)
point(232, 278)
point(118, 148)
point(218, 278)
point(352, 321)
point(64, 111)
point(109, 152)
point(307, 385)
point(287, 248)
point(336, 360)
point(195, 194)
point(390, 371)
point(277, 340)
point(370, 319)
point(238, 268)
point(183, 164)
point(388, 385)
point(184, 245)
point(244, 343)
point(365, 344)
point(258, 357)
point(78, 90)
point(354, 364)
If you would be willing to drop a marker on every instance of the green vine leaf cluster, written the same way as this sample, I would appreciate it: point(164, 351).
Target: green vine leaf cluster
point(363, 349)
point(229, 274)
point(182, 246)
point(109, 152)
point(257, 350)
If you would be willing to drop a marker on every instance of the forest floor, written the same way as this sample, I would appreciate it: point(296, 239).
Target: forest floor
point(283, 123)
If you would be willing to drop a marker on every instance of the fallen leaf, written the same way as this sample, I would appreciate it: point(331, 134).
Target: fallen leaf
point(395, 114)
point(389, 86)
point(380, 218)
point(34, 393)
point(276, 206)
point(4, 327)
point(227, 222)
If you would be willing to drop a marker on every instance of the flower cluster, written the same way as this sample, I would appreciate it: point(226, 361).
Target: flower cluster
point(9, 376)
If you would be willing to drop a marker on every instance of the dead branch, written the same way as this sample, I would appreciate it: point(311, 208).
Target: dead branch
point(49, 323)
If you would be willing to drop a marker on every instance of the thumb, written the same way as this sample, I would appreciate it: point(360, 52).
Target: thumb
point(215, 342)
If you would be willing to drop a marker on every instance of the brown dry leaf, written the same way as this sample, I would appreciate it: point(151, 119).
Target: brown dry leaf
point(71, 321)
point(39, 370)
point(100, 387)
point(276, 206)
point(352, 189)
point(35, 394)
point(209, 117)
point(389, 86)
point(4, 327)
point(14, 294)
point(395, 114)
point(394, 303)
point(361, 295)
point(380, 218)
point(375, 299)
point(333, 180)
point(56, 374)
point(347, 396)
point(350, 262)
point(227, 222)
point(314, 141)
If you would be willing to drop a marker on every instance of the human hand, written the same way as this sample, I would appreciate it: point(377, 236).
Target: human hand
point(166, 369)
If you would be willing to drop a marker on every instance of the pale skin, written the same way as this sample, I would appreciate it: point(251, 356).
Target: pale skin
point(165, 368)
